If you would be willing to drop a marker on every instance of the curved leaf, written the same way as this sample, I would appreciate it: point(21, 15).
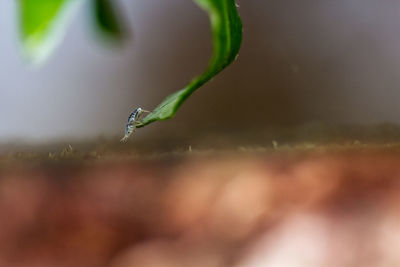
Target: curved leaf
point(40, 21)
point(227, 37)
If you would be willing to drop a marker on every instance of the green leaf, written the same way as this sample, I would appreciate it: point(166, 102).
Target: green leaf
point(109, 19)
point(40, 23)
point(227, 38)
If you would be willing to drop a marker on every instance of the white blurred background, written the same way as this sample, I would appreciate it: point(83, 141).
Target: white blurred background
point(301, 62)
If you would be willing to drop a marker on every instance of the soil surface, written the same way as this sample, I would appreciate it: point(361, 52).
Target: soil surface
point(282, 205)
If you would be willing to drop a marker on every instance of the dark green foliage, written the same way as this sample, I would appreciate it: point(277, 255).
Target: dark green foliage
point(108, 19)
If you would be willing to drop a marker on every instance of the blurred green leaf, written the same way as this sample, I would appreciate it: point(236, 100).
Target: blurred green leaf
point(109, 19)
point(40, 22)
point(227, 37)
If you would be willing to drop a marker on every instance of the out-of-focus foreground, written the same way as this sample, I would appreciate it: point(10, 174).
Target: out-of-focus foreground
point(308, 208)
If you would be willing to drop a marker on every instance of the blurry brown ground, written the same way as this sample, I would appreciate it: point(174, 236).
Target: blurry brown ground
point(288, 202)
